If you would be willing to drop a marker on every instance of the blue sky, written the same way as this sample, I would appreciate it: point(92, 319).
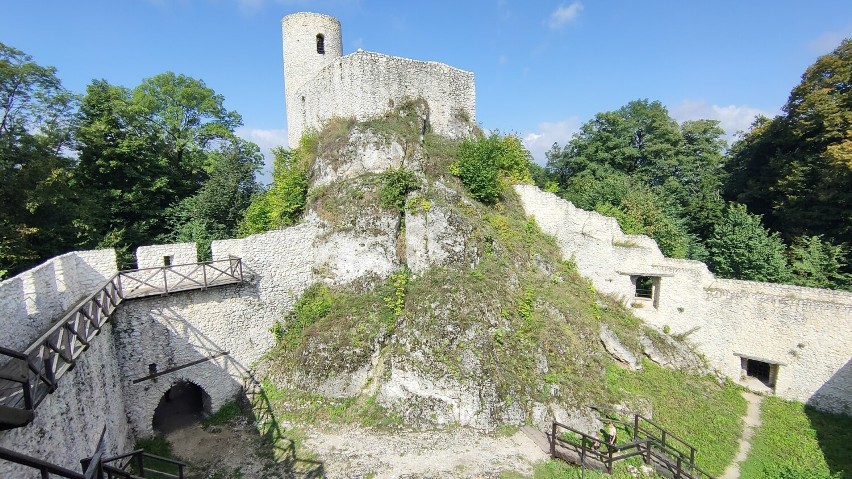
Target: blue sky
point(542, 68)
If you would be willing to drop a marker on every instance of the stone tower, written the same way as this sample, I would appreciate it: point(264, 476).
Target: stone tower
point(311, 41)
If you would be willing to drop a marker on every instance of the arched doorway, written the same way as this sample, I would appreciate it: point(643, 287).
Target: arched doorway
point(183, 404)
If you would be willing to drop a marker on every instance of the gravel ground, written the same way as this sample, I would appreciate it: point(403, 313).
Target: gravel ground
point(237, 450)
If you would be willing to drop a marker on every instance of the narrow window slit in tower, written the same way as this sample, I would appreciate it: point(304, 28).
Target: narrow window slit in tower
point(320, 44)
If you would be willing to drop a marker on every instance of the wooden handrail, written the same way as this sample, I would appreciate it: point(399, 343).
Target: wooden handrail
point(681, 466)
point(53, 353)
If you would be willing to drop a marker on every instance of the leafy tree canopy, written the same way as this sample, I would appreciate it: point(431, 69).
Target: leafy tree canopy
point(796, 169)
point(740, 247)
point(37, 206)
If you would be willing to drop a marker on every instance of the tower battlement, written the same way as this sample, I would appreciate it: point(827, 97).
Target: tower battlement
point(320, 82)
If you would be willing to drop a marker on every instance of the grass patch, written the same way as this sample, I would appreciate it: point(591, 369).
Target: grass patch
point(700, 410)
point(304, 407)
point(556, 469)
point(797, 441)
point(158, 446)
point(224, 415)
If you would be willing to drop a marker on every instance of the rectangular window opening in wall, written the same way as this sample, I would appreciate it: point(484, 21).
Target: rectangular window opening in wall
point(647, 288)
point(167, 260)
point(759, 375)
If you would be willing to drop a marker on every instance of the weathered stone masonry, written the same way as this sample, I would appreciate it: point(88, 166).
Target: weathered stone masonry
point(319, 86)
point(805, 334)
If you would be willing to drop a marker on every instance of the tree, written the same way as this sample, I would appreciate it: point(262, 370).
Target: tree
point(638, 147)
point(740, 247)
point(284, 202)
point(144, 150)
point(217, 209)
point(819, 264)
point(37, 206)
point(796, 169)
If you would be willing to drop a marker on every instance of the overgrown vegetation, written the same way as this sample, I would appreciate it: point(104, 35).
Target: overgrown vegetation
point(396, 184)
point(284, 202)
point(774, 207)
point(797, 441)
point(485, 163)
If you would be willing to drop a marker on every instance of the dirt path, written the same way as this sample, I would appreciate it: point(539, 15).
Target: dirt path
point(752, 421)
point(460, 453)
point(236, 450)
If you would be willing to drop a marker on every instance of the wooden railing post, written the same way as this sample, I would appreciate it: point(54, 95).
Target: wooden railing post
point(141, 460)
point(635, 426)
point(553, 441)
point(204, 274)
point(165, 282)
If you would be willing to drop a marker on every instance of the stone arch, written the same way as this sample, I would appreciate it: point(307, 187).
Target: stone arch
point(183, 402)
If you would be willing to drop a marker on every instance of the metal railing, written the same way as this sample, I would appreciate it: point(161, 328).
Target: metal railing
point(27, 377)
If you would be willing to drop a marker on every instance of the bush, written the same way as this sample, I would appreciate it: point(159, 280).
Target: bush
point(396, 184)
point(283, 204)
point(483, 161)
point(314, 304)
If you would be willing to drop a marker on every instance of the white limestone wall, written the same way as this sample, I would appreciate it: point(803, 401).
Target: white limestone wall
point(365, 85)
point(807, 331)
point(153, 256)
point(69, 422)
point(174, 330)
point(34, 299)
point(301, 60)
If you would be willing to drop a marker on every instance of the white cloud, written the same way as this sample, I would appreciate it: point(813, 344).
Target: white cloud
point(564, 15)
point(828, 41)
point(266, 139)
point(732, 118)
point(249, 7)
point(502, 60)
point(539, 142)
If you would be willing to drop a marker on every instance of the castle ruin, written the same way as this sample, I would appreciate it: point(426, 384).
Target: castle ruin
point(321, 83)
point(791, 341)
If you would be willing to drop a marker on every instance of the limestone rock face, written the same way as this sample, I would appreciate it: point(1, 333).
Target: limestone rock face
point(618, 350)
point(367, 248)
point(369, 153)
point(674, 355)
point(435, 235)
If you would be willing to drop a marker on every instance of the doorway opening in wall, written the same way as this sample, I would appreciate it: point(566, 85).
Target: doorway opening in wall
point(645, 287)
point(759, 374)
point(183, 404)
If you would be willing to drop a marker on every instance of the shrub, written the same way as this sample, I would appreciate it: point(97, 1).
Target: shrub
point(483, 161)
point(314, 304)
point(283, 204)
point(396, 184)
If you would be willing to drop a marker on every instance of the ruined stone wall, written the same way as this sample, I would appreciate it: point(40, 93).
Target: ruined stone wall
point(154, 256)
point(34, 299)
point(807, 332)
point(365, 85)
point(172, 331)
point(68, 423)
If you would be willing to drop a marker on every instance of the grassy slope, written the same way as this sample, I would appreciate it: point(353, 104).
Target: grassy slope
point(522, 306)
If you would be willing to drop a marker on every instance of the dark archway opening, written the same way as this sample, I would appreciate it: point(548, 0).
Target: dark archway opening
point(183, 404)
point(762, 371)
